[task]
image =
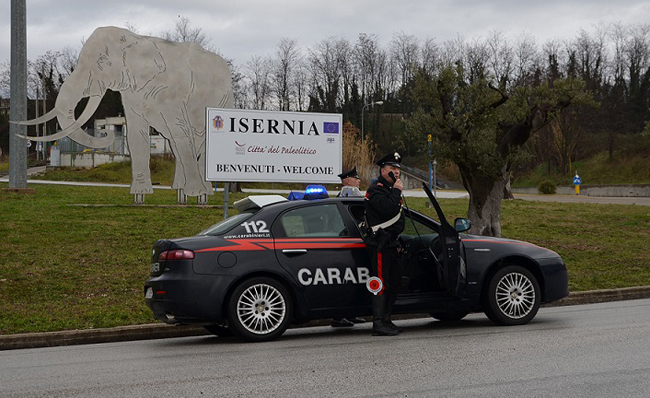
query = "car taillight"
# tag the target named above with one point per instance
(176, 255)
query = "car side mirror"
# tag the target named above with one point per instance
(462, 224)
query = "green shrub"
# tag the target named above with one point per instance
(547, 187)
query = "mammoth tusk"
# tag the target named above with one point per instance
(51, 137)
(93, 142)
(91, 107)
(80, 136)
(93, 103)
(45, 118)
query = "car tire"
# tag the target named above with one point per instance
(513, 296)
(448, 316)
(218, 330)
(259, 309)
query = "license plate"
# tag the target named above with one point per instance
(149, 293)
(155, 268)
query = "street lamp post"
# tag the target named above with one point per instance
(363, 111)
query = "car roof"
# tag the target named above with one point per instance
(281, 205)
(257, 202)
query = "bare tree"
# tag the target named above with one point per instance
(301, 87)
(590, 58)
(329, 67)
(453, 52)
(566, 131)
(552, 52)
(501, 57)
(258, 71)
(637, 51)
(239, 86)
(183, 32)
(430, 55)
(285, 66)
(404, 51)
(527, 61)
(477, 56)
(370, 63)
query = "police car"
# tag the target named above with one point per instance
(280, 262)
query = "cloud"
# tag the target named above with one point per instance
(245, 28)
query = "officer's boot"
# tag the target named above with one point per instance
(378, 314)
(388, 310)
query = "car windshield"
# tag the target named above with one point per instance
(224, 226)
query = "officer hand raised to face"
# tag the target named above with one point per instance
(386, 220)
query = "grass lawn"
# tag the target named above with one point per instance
(65, 266)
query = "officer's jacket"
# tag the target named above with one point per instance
(383, 202)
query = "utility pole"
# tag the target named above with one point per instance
(18, 99)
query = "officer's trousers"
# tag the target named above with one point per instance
(385, 265)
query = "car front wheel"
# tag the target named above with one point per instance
(513, 296)
(259, 309)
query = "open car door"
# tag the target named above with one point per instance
(450, 241)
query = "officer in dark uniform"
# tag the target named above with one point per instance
(350, 182)
(386, 221)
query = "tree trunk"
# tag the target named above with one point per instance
(235, 187)
(485, 203)
(507, 190)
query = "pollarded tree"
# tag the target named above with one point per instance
(481, 128)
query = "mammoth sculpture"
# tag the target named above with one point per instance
(163, 84)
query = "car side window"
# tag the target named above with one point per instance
(314, 221)
(413, 226)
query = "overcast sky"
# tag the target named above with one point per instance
(244, 28)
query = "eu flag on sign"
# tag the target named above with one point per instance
(331, 127)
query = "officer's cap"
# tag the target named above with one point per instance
(352, 173)
(393, 159)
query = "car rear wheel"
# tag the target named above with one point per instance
(513, 296)
(449, 316)
(260, 309)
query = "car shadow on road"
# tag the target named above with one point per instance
(413, 328)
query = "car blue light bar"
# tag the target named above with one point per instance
(316, 192)
(311, 193)
(296, 195)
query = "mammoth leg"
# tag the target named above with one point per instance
(140, 149)
(179, 178)
(187, 174)
(201, 151)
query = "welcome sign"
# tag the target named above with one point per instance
(254, 146)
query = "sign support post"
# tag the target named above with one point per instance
(576, 182)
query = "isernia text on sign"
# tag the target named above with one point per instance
(252, 146)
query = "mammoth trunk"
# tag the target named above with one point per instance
(485, 193)
(66, 103)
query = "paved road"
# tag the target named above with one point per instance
(596, 350)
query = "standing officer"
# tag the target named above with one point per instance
(385, 218)
(350, 182)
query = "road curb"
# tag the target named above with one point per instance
(163, 331)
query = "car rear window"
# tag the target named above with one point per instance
(226, 225)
